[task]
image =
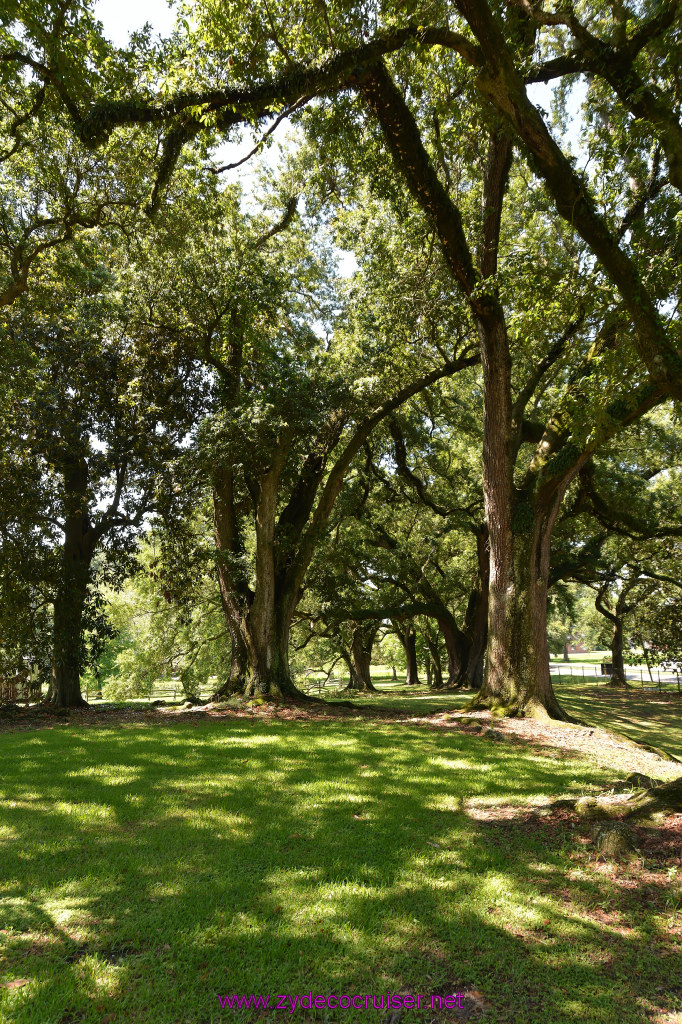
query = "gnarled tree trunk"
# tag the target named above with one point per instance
(475, 632)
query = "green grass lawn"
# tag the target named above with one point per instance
(593, 657)
(146, 871)
(646, 716)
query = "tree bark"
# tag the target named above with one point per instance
(238, 670)
(234, 591)
(436, 671)
(69, 604)
(618, 677)
(476, 620)
(517, 679)
(434, 668)
(478, 637)
(258, 620)
(408, 639)
(520, 521)
(361, 654)
(470, 674)
(267, 643)
(352, 683)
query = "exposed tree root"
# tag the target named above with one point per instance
(273, 688)
(359, 690)
(519, 709)
(665, 798)
(230, 688)
(619, 683)
(54, 702)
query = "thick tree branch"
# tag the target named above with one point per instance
(502, 84)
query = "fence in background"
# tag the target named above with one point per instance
(655, 678)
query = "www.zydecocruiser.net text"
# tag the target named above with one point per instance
(386, 1001)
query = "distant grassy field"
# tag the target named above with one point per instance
(147, 870)
(593, 657)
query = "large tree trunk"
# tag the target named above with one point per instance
(434, 668)
(352, 680)
(517, 679)
(65, 689)
(238, 670)
(258, 620)
(476, 625)
(267, 644)
(234, 591)
(476, 620)
(361, 653)
(453, 651)
(69, 604)
(408, 638)
(618, 671)
(412, 673)
(520, 522)
(470, 674)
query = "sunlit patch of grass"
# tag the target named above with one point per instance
(144, 872)
(642, 715)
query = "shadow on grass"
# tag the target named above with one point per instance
(145, 871)
(646, 716)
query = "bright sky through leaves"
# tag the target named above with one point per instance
(121, 17)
